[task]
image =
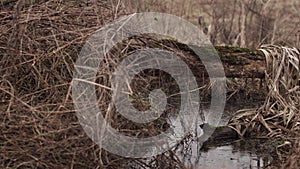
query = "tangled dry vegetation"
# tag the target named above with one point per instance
(39, 43)
(279, 116)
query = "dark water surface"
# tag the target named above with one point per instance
(229, 152)
(239, 154)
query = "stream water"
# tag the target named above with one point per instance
(239, 154)
(227, 153)
(223, 149)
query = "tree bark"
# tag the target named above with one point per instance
(237, 62)
(242, 62)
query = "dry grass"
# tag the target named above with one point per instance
(39, 43)
(279, 116)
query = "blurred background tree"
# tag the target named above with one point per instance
(247, 23)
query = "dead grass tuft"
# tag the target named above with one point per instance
(279, 116)
(39, 43)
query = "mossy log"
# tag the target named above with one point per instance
(237, 62)
(242, 62)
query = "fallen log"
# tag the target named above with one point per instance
(237, 62)
(242, 62)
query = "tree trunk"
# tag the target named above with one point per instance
(237, 62)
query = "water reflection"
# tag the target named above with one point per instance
(231, 154)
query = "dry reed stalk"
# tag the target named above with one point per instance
(279, 116)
